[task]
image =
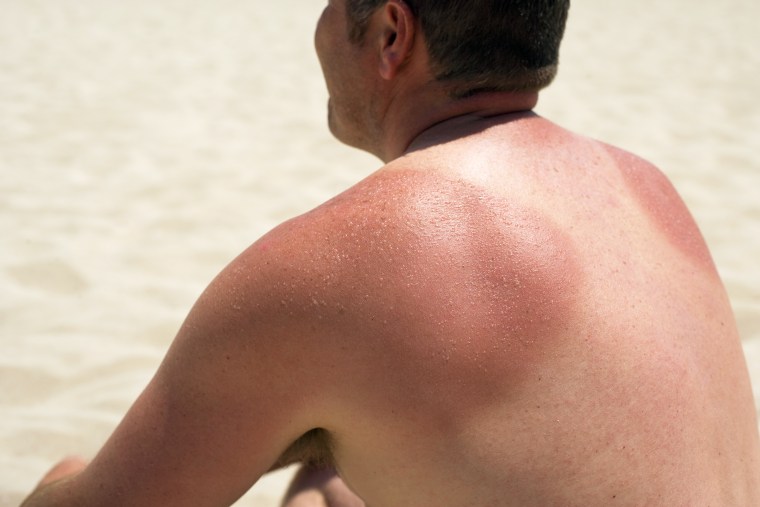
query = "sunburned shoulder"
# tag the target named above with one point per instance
(320, 257)
(403, 216)
(403, 230)
(360, 221)
(403, 268)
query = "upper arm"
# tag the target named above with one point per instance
(230, 396)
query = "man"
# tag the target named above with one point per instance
(506, 314)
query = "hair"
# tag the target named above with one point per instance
(483, 45)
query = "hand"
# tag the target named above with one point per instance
(67, 467)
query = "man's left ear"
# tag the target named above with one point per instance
(397, 37)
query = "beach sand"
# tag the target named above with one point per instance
(144, 144)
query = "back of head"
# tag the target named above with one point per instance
(483, 45)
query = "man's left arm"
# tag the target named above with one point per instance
(226, 402)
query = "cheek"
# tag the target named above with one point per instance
(323, 35)
(325, 49)
(319, 35)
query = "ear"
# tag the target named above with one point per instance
(396, 37)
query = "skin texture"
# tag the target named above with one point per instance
(505, 314)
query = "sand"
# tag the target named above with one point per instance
(143, 144)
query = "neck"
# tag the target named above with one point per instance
(423, 119)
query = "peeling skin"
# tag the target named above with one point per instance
(500, 307)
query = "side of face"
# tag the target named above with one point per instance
(347, 72)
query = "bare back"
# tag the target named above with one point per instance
(530, 327)
(510, 316)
